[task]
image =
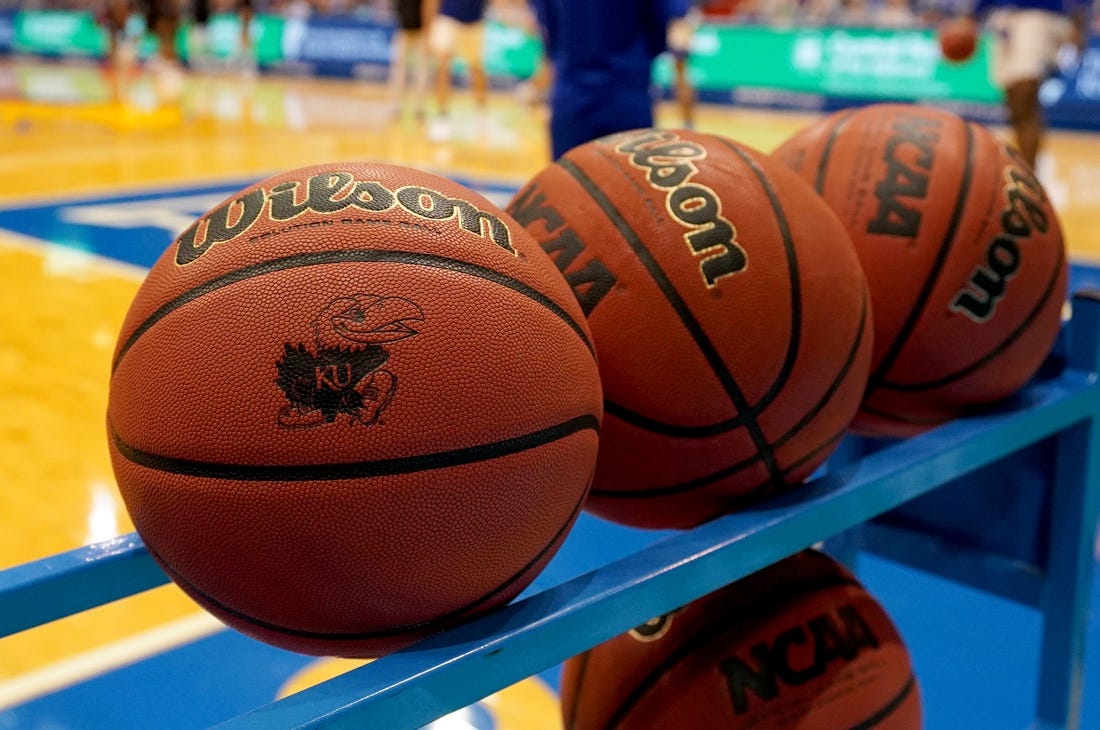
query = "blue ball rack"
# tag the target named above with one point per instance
(867, 498)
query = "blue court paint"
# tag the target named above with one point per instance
(136, 228)
(194, 686)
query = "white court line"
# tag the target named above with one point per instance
(82, 667)
(42, 247)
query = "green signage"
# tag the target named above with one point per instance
(59, 32)
(850, 62)
(903, 65)
(223, 38)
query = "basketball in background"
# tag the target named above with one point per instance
(353, 405)
(958, 38)
(729, 312)
(962, 250)
(800, 644)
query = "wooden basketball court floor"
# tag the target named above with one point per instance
(99, 172)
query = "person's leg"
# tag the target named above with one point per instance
(685, 93)
(475, 47)
(244, 15)
(679, 37)
(441, 41)
(420, 66)
(162, 19)
(399, 62)
(1026, 116)
(1026, 44)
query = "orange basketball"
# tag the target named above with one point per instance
(351, 406)
(963, 253)
(729, 312)
(958, 38)
(799, 644)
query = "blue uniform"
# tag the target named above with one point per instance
(464, 11)
(602, 52)
(679, 8)
(1062, 7)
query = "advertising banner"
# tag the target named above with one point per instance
(854, 63)
(335, 45)
(58, 33)
(223, 37)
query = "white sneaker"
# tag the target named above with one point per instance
(439, 129)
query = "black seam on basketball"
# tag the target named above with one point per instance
(356, 470)
(737, 616)
(441, 621)
(888, 709)
(667, 429)
(582, 670)
(710, 354)
(767, 489)
(917, 310)
(703, 481)
(726, 471)
(794, 341)
(826, 445)
(1048, 292)
(320, 258)
(827, 150)
(838, 381)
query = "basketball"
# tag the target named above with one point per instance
(963, 254)
(958, 38)
(353, 405)
(729, 312)
(800, 644)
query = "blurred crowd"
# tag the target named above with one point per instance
(853, 13)
(885, 13)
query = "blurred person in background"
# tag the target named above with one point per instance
(1027, 36)
(685, 17)
(894, 14)
(602, 53)
(112, 16)
(409, 53)
(457, 31)
(162, 19)
(201, 55)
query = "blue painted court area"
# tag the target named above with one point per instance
(131, 228)
(975, 655)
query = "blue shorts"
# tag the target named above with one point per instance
(577, 117)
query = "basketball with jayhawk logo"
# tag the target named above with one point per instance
(351, 406)
(342, 373)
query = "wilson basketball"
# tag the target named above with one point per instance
(729, 312)
(958, 38)
(351, 406)
(962, 250)
(800, 644)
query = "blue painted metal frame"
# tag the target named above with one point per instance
(451, 670)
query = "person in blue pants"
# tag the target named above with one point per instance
(601, 53)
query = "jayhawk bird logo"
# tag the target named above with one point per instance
(342, 373)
